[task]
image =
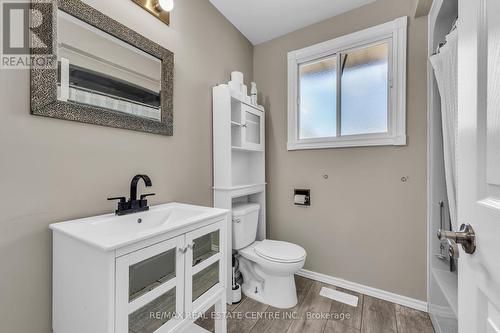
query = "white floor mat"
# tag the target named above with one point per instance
(339, 296)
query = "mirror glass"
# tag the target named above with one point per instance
(98, 69)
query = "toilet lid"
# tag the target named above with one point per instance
(280, 251)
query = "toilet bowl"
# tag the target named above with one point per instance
(269, 278)
(267, 266)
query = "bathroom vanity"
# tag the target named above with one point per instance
(154, 271)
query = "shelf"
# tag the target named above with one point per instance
(204, 256)
(247, 149)
(239, 98)
(239, 187)
(448, 284)
(152, 286)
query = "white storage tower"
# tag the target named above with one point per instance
(238, 157)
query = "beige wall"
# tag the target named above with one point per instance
(365, 225)
(53, 170)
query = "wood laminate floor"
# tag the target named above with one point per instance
(317, 314)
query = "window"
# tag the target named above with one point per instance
(350, 91)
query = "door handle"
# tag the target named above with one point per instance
(452, 249)
(465, 237)
(184, 249)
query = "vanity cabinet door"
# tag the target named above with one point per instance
(253, 128)
(150, 287)
(205, 266)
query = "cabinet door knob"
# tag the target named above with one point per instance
(183, 249)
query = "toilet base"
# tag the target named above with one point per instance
(252, 291)
(277, 291)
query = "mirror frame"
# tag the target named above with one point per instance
(44, 100)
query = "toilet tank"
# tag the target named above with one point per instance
(245, 222)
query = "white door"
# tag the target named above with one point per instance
(149, 288)
(204, 266)
(253, 128)
(478, 158)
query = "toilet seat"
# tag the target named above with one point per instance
(279, 251)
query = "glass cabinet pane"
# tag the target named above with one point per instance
(151, 273)
(205, 279)
(205, 247)
(153, 315)
(252, 128)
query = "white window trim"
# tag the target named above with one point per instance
(397, 32)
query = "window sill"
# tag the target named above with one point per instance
(347, 142)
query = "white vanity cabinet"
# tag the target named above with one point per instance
(157, 284)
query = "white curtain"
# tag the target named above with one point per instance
(445, 64)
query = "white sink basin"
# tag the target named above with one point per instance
(109, 232)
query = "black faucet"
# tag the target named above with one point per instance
(133, 205)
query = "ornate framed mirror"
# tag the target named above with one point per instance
(101, 72)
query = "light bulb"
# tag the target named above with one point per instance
(166, 5)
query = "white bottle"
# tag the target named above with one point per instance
(253, 93)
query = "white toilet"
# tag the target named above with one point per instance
(267, 266)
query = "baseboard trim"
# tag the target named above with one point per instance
(370, 291)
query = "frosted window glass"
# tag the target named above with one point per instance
(364, 92)
(318, 100)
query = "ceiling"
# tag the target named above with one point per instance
(263, 20)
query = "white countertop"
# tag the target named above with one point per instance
(109, 232)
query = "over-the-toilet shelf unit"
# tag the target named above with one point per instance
(238, 157)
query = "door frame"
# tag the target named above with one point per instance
(436, 185)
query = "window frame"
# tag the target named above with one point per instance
(394, 32)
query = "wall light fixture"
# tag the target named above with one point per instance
(158, 8)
